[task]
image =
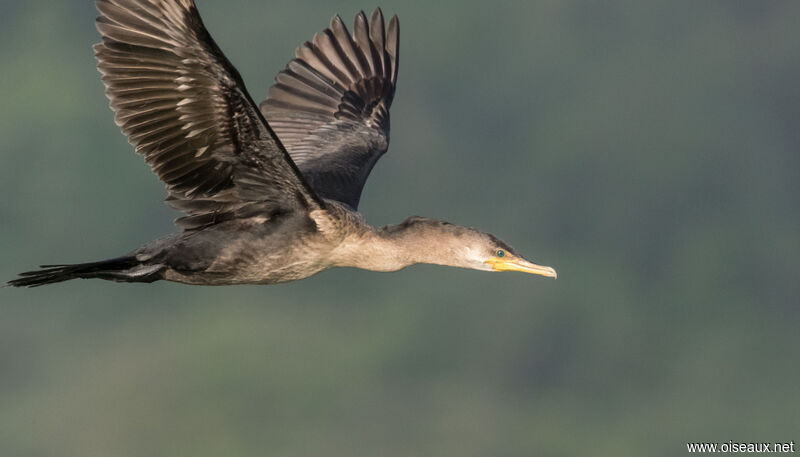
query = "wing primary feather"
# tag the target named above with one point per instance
(378, 36)
(330, 105)
(326, 50)
(393, 46)
(347, 49)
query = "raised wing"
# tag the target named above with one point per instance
(184, 106)
(330, 105)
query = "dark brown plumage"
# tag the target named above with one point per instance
(330, 106)
(270, 194)
(185, 108)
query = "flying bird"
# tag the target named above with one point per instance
(269, 192)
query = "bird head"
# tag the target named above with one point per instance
(502, 258)
(442, 243)
(486, 252)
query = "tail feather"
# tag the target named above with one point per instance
(121, 269)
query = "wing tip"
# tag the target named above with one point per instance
(377, 14)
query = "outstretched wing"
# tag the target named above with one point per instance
(184, 106)
(330, 105)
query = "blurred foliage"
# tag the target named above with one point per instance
(647, 150)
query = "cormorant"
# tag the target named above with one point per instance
(270, 192)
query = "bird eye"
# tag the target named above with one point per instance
(500, 253)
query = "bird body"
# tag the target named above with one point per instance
(270, 192)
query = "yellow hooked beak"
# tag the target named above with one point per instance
(513, 263)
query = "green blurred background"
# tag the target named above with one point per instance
(648, 151)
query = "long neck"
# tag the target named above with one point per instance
(395, 247)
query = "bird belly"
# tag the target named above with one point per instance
(268, 272)
(250, 260)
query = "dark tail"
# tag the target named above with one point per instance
(121, 269)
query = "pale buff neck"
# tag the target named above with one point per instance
(395, 247)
